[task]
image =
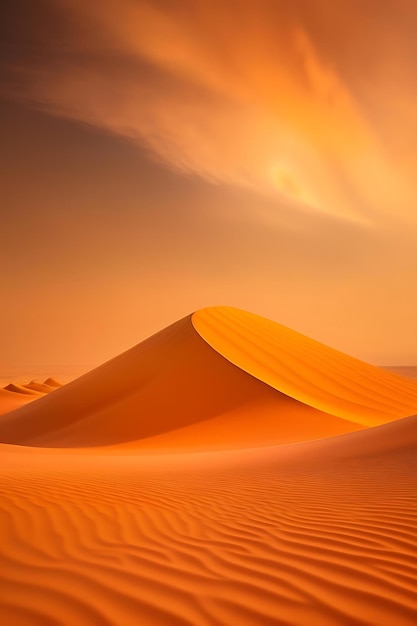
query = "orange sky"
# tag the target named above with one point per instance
(160, 156)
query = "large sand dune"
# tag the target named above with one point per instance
(319, 533)
(255, 380)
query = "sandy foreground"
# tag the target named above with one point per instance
(225, 471)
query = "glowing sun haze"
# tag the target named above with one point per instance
(162, 156)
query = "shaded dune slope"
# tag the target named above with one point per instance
(219, 378)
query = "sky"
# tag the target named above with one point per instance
(160, 156)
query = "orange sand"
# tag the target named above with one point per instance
(409, 371)
(306, 369)
(318, 533)
(13, 396)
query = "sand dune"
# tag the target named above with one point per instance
(256, 382)
(139, 532)
(169, 382)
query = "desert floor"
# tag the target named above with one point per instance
(225, 471)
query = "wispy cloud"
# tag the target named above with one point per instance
(316, 106)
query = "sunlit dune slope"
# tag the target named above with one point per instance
(168, 383)
(306, 369)
(216, 388)
(288, 535)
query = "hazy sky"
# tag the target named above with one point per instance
(160, 156)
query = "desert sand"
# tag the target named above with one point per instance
(409, 371)
(13, 396)
(227, 470)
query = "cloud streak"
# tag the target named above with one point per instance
(314, 106)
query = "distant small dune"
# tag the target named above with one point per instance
(52, 382)
(21, 389)
(40, 387)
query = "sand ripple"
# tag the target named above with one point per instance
(112, 540)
